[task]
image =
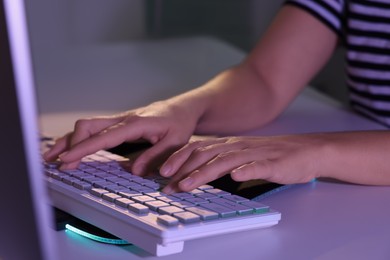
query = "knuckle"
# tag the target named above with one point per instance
(82, 123)
(232, 140)
(199, 150)
(195, 144)
(225, 156)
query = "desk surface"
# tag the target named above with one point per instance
(320, 220)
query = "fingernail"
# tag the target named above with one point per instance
(139, 168)
(64, 166)
(61, 156)
(167, 190)
(187, 182)
(165, 170)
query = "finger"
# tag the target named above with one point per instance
(69, 166)
(61, 145)
(207, 155)
(155, 155)
(85, 128)
(264, 169)
(108, 138)
(177, 159)
(222, 164)
(245, 172)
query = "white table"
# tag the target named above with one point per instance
(320, 220)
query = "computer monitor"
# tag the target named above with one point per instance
(25, 215)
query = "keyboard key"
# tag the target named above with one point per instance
(257, 206)
(98, 192)
(236, 198)
(170, 210)
(143, 181)
(155, 194)
(182, 204)
(206, 195)
(168, 220)
(142, 199)
(138, 208)
(156, 204)
(115, 188)
(111, 197)
(80, 175)
(101, 184)
(69, 180)
(187, 217)
(143, 189)
(153, 185)
(196, 201)
(223, 211)
(123, 202)
(57, 175)
(168, 198)
(82, 185)
(91, 179)
(196, 191)
(182, 195)
(239, 208)
(132, 185)
(205, 187)
(115, 179)
(102, 175)
(217, 192)
(129, 194)
(205, 214)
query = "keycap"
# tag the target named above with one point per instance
(223, 211)
(196, 200)
(168, 220)
(116, 188)
(187, 217)
(206, 195)
(257, 206)
(182, 204)
(217, 192)
(82, 185)
(205, 187)
(182, 195)
(156, 204)
(236, 198)
(138, 208)
(142, 199)
(205, 214)
(98, 192)
(129, 193)
(168, 198)
(169, 210)
(68, 180)
(123, 202)
(111, 197)
(239, 208)
(101, 184)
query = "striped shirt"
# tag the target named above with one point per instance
(364, 28)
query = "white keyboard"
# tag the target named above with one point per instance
(132, 208)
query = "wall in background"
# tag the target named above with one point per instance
(59, 23)
(240, 23)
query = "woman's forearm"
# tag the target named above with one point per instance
(357, 157)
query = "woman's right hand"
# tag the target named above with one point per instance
(165, 125)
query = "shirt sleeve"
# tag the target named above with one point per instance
(330, 12)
